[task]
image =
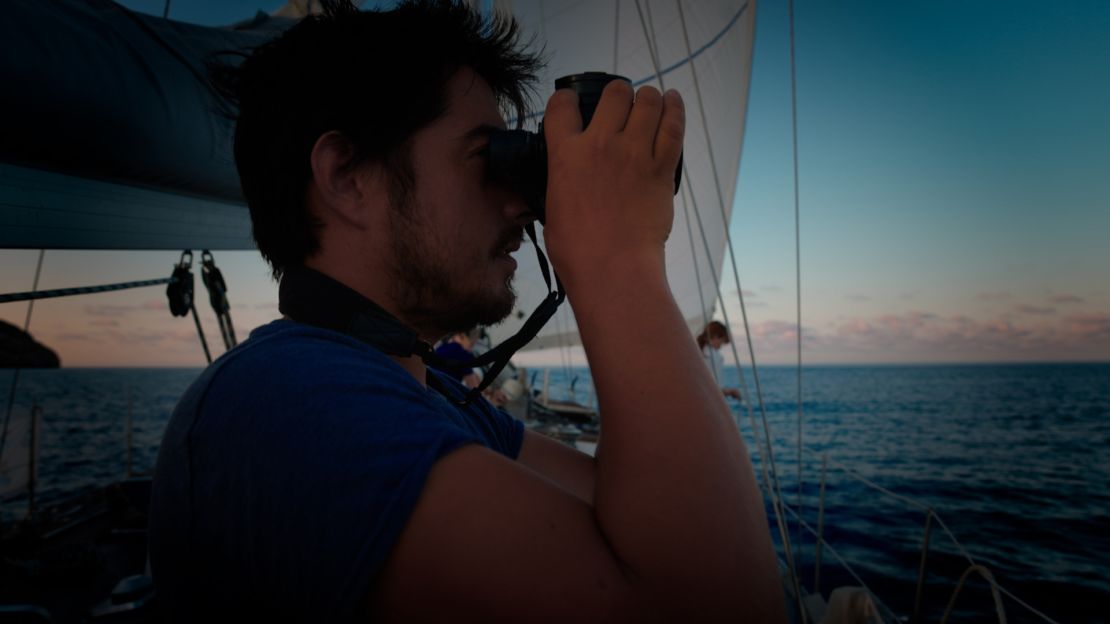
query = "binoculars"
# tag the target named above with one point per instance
(518, 158)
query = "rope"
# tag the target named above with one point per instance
(15, 375)
(982, 570)
(82, 290)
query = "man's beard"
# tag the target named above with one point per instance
(427, 296)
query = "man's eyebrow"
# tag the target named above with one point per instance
(480, 131)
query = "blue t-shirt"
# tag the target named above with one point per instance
(289, 469)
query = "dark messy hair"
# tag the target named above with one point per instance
(375, 77)
(715, 329)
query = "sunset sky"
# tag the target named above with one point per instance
(954, 169)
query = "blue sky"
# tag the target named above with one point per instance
(954, 197)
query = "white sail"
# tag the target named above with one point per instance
(703, 50)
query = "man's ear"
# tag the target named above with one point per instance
(342, 190)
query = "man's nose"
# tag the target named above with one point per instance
(517, 210)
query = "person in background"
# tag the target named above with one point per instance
(460, 348)
(710, 340)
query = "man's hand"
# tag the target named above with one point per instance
(471, 380)
(611, 187)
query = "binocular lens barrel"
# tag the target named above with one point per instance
(518, 158)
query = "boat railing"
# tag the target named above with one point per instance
(892, 616)
(931, 517)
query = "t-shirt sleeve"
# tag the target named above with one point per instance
(306, 498)
(509, 429)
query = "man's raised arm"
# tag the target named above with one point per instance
(677, 529)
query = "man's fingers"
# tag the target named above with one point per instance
(561, 118)
(672, 128)
(612, 109)
(644, 119)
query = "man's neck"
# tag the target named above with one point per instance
(337, 319)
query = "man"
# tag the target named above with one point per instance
(310, 475)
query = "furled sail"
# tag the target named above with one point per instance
(704, 50)
(110, 140)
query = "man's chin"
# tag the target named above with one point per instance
(497, 310)
(490, 309)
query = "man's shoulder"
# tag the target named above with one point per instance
(292, 355)
(288, 371)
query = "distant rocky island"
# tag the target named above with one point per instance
(19, 350)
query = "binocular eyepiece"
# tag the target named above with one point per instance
(518, 158)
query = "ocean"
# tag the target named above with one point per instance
(1013, 459)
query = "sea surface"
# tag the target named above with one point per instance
(1013, 459)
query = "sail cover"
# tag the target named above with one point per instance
(109, 135)
(701, 48)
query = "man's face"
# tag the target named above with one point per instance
(451, 239)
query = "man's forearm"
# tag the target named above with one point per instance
(675, 494)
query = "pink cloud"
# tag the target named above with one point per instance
(109, 309)
(1029, 309)
(993, 296)
(104, 322)
(924, 336)
(118, 310)
(75, 337)
(775, 329)
(1066, 299)
(1088, 326)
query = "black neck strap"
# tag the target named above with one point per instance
(310, 297)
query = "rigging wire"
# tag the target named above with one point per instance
(15, 375)
(761, 444)
(797, 254)
(775, 499)
(616, 34)
(772, 483)
(705, 310)
(653, 49)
